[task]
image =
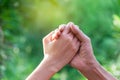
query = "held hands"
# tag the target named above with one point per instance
(60, 47)
(68, 44)
(84, 60)
(80, 60)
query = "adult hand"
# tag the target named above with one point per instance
(85, 57)
(85, 60)
(80, 60)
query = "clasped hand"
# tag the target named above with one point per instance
(68, 45)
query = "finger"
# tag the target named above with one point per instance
(78, 46)
(78, 33)
(56, 34)
(61, 27)
(75, 40)
(67, 28)
(48, 38)
(77, 43)
(71, 36)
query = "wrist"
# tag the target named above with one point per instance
(94, 71)
(86, 65)
(48, 65)
(53, 64)
(44, 71)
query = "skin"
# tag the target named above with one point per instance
(68, 44)
(57, 53)
(84, 60)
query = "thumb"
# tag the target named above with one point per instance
(78, 33)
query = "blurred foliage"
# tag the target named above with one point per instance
(23, 24)
(116, 34)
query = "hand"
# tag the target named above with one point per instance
(59, 48)
(60, 51)
(80, 60)
(85, 60)
(85, 57)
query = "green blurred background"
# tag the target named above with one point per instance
(23, 24)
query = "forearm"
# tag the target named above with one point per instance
(96, 72)
(44, 71)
